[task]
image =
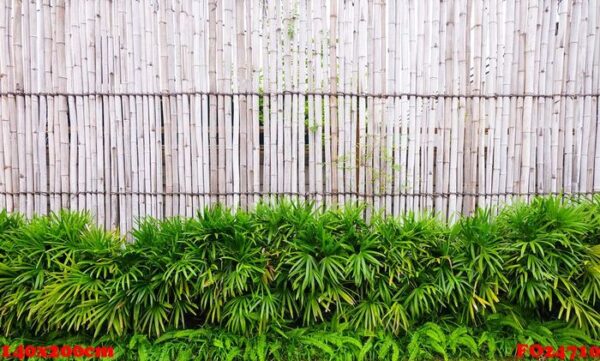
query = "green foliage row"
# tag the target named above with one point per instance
(437, 341)
(293, 268)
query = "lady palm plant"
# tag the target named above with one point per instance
(314, 264)
(545, 252)
(37, 258)
(589, 283)
(481, 253)
(327, 283)
(409, 245)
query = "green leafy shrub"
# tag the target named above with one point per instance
(294, 282)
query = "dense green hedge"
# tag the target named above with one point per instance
(324, 283)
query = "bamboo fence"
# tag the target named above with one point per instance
(146, 107)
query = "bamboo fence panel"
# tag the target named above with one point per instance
(160, 108)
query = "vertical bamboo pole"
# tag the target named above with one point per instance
(442, 133)
(274, 99)
(285, 143)
(29, 110)
(4, 63)
(7, 103)
(152, 45)
(596, 105)
(345, 103)
(571, 87)
(118, 147)
(69, 133)
(497, 46)
(319, 119)
(338, 70)
(404, 87)
(212, 118)
(279, 110)
(488, 108)
(589, 149)
(528, 163)
(90, 81)
(311, 66)
(253, 19)
(353, 74)
(548, 61)
(331, 103)
(420, 120)
(110, 172)
(176, 108)
(412, 161)
(363, 86)
(183, 108)
(242, 111)
(26, 140)
(82, 109)
(303, 72)
(100, 64)
(542, 125)
(324, 162)
(130, 115)
(476, 156)
(390, 110)
(221, 114)
(16, 108)
(559, 101)
(197, 58)
(433, 104)
(424, 103)
(230, 124)
(518, 86)
(268, 86)
(204, 35)
(507, 25)
(378, 88)
(369, 151)
(453, 187)
(353, 143)
(43, 81)
(581, 145)
(293, 34)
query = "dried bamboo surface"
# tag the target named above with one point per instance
(159, 108)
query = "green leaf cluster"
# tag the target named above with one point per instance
(413, 286)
